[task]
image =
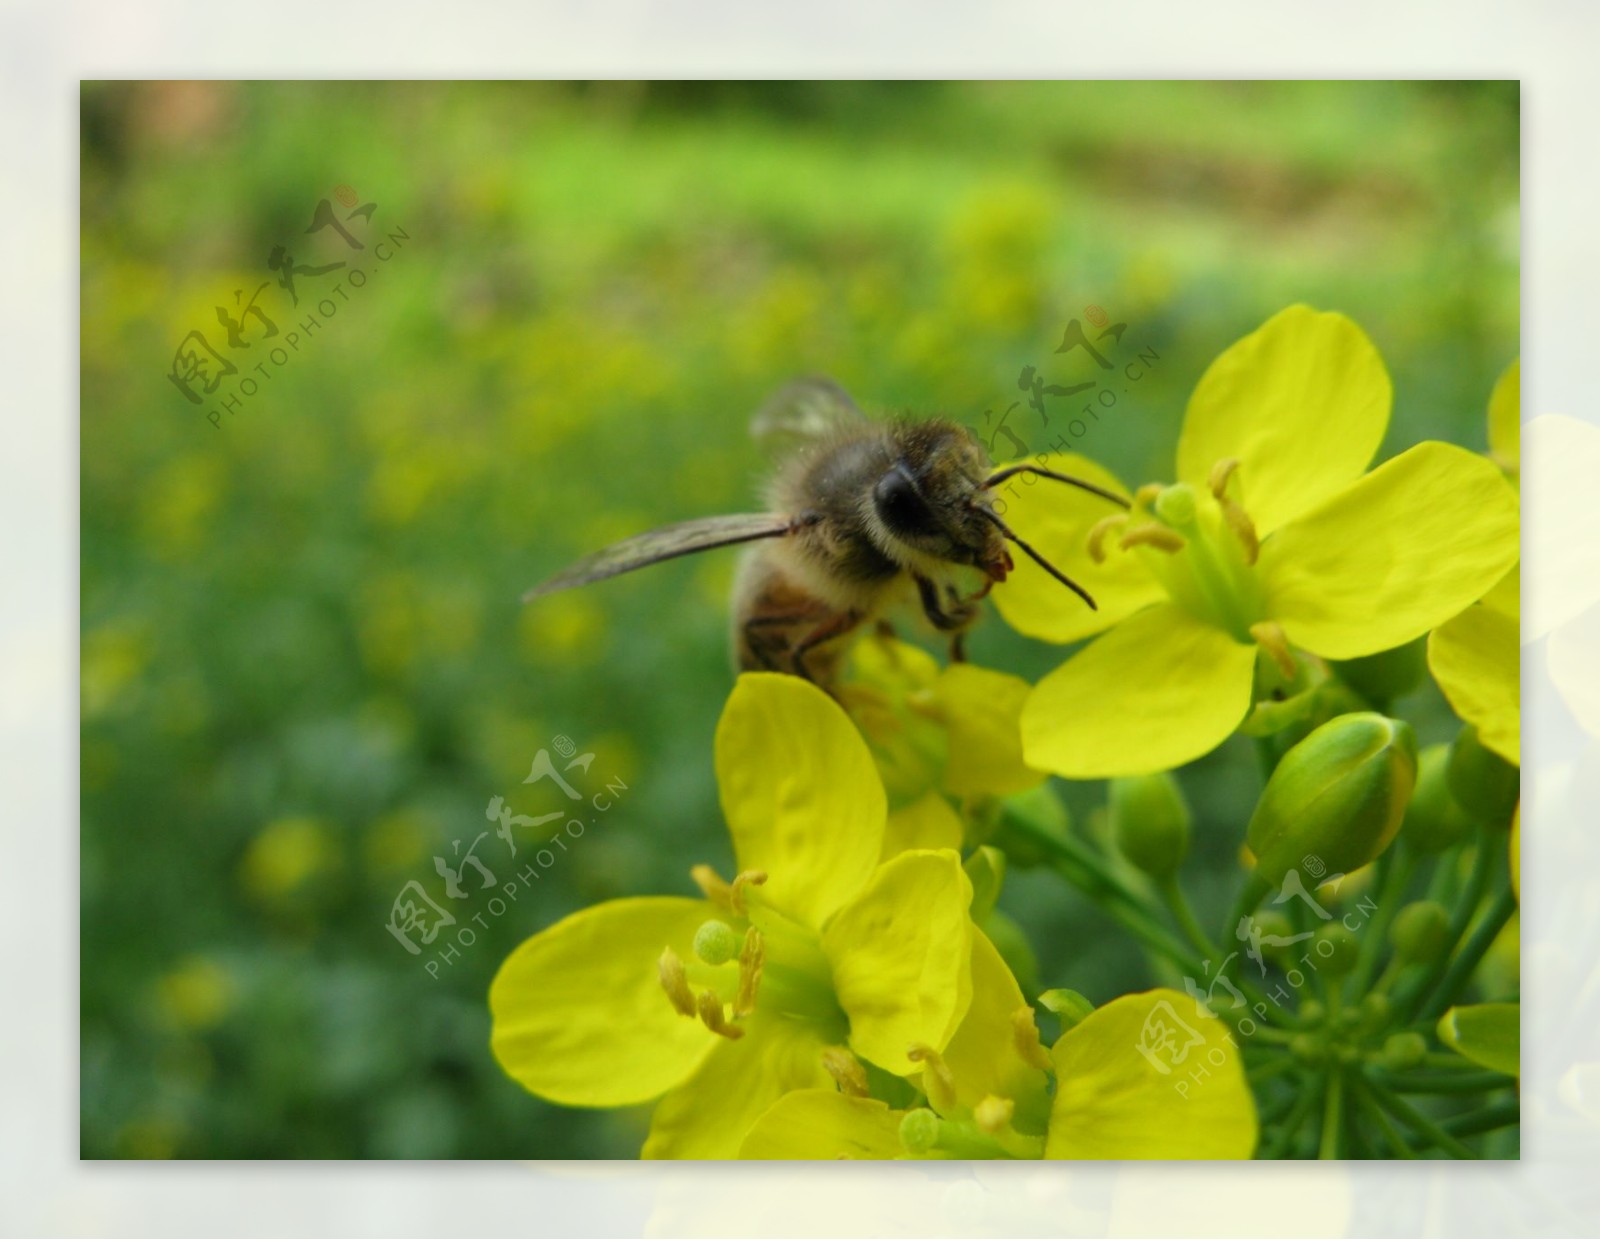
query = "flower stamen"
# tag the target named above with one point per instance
(1270, 637)
(676, 982)
(1025, 1036)
(712, 885)
(746, 878)
(993, 1115)
(712, 1017)
(1153, 535)
(1098, 533)
(938, 1082)
(846, 1070)
(1221, 474)
(1240, 523)
(751, 959)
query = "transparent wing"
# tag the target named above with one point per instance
(803, 412)
(667, 543)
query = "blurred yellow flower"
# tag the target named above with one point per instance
(1274, 538)
(195, 995)
(1476, 658)
(285, 855)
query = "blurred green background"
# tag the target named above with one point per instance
(305, 671)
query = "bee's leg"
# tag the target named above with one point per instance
(885, 628)
(945, 621)
(763, 644)
(958, 646)
(834, 626)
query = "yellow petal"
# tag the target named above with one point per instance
(1476, 658)
(1155, 692)
(886, 693)
(800, 793)
(983, 711)
(709, 1115)
(984, 1056)
(1150, 1076)
(579, 1014)
(1055, 519)
(927, 823)
(1505, 419)
(902, 957)
(1301, 403)
(823, 1123)
(1563, 577)
(1573, 658)
(1410, 545)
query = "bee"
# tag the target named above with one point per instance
(862, 517)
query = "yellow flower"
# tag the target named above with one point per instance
(1274, 539)
(936, 733)
(1476, 658)
(989, 1095)
(814, 959)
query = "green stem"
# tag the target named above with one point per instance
(1272, 1068)
(1408, 1114)
(1331, 1146)
(1172, 893)
(1397, 877)
(1470, 955)
(1501, 1115)
(1369, 1103)
(1453, 1083)
(1477, 882)
(1309, 1093)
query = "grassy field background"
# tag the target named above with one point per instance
(305, 671)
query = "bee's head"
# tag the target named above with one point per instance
(928, 499)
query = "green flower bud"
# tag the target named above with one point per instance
(1335, 801)
(1403, 1050)
(1069, 1005)
(1306, 1048)
(1375, 1012)
(1420, 932)
(1276, 932)
(1334, 948)
(1484, 784)
(919, 1130)
(1150, 822)
(1433, 821)
(1389, 674)
(1312, 1012)
(716, 942)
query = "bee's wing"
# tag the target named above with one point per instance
(666, 543)
(803, 412)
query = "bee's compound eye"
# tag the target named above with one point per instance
(901, 506)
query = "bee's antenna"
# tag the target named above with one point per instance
(1038, 559)
(995, 479)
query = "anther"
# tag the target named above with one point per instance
(1153, 535)
(1241, 524)
(1025, 1037)
(1270, 637)
(711, 1016)
(712, 885)
(750, 961)
(937, 1080)
(1221, 474)
(993, 1114)
(746, 878)
(845, 1069)
(675, 982)
(1099, 531)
